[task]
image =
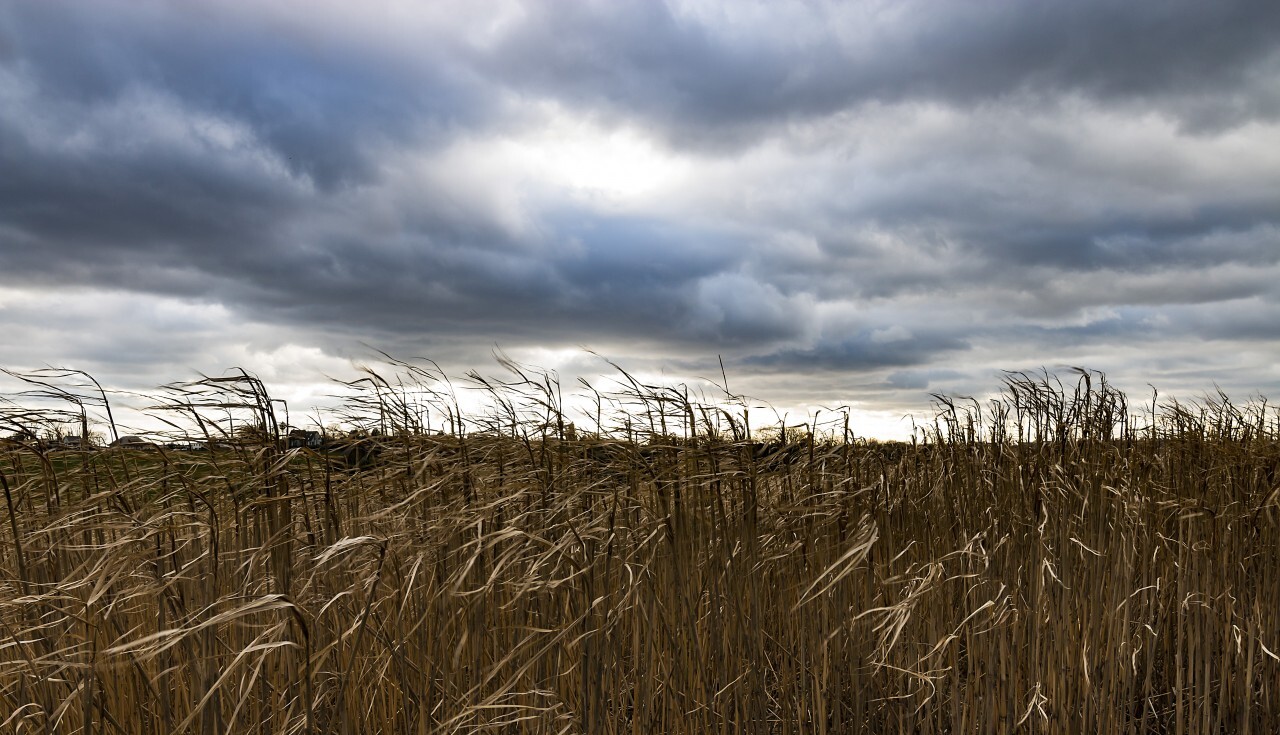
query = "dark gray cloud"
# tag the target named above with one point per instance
(699, 81)
(881, 198)
(322, 110)
(870, 350)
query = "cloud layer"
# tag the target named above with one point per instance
(850, 202)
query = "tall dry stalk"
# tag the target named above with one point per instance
(1045, 562)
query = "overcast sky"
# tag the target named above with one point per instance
(851, 203)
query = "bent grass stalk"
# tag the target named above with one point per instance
(1041, 563)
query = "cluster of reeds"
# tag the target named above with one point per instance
(1049, 561)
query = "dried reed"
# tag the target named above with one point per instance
(1045, 562)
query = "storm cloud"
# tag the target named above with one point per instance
(849, 203)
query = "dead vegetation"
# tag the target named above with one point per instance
(1045, 562)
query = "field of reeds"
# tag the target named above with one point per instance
(1054, 560)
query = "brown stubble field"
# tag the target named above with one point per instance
(1053, 561)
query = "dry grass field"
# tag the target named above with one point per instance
(1054, 561)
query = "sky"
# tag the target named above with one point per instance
(855, 204)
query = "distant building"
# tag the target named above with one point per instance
(300, 438)
(71, 441)
(133, 442)
(188, 445)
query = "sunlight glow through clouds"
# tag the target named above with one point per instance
(618, 166)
